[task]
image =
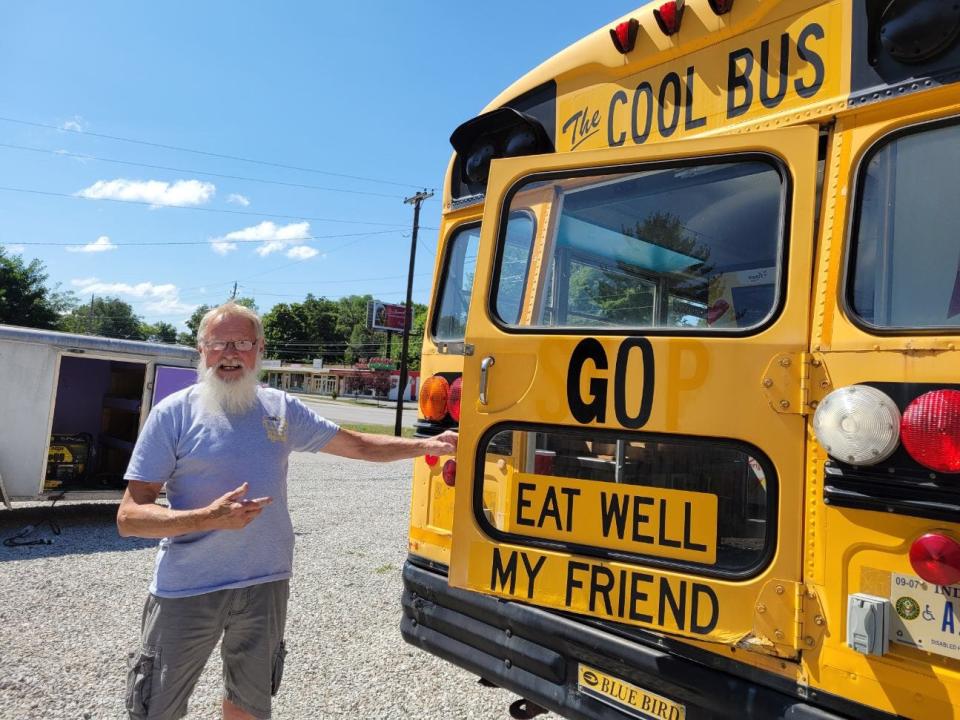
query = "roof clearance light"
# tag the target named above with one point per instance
(931, 430)
(858, 425)
(453, 403)
(721, 7)
(433, 398)
(449, 473)
(668, 16)
(624, 36)
(936, 559)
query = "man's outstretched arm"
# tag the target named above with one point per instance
(384, 448)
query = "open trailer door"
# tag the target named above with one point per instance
(620, 454)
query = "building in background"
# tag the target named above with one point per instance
(372, 378)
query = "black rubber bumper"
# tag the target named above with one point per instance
(535, 654)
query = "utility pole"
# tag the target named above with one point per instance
(233, 295)
(90, 316)
(416, 201)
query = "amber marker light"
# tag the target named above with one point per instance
(433, 398)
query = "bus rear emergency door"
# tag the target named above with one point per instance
(620, 455)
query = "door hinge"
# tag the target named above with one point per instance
(788, 618)
(795, 383)
(454, 348)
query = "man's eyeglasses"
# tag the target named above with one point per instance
(221, 345)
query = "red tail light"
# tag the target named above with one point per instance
(930, 430)
(936, 559)
(431, 460)
(450, 472)
(453, 403)
(624, 36)
(721, 7)
(434, 394)
(669, 15)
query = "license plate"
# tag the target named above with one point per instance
(925, 616)
(627, 697)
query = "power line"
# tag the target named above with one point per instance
(64, 153)
(208, 242)
(199, 209)
(206, 153)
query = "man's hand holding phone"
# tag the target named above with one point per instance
(232, 511)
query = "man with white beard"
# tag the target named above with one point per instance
(221, 449)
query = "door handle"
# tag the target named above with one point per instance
(485, 366)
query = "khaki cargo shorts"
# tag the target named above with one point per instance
(180, 633)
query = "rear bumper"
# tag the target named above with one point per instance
(535, 653)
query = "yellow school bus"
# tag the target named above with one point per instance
(696, 314)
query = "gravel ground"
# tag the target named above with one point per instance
(70, 611)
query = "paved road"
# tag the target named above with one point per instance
(347, 412)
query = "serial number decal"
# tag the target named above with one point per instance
(596, 588)
(676, 524)
(780, 67)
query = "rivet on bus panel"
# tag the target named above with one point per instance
(761, 608)
(767, 382)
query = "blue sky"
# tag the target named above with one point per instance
(364, 95)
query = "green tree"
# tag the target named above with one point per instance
(286, 333)
(25, 298)
(160, 332)
(351, 328)
(105, 316)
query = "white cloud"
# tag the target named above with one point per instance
(302, 252)
(238, 199)
(76, 123)
(158, 299)
(101, 244)
(222, 248)
(16, 249)
(155, 192)
(275, 238)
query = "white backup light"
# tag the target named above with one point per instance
(858, 425)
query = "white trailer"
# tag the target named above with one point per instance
(71, 408)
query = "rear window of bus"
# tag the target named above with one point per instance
(686, 248)
(459, 268)
(904, 272)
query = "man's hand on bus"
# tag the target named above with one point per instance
(443, 444)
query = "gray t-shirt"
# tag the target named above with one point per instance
(201, 456)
